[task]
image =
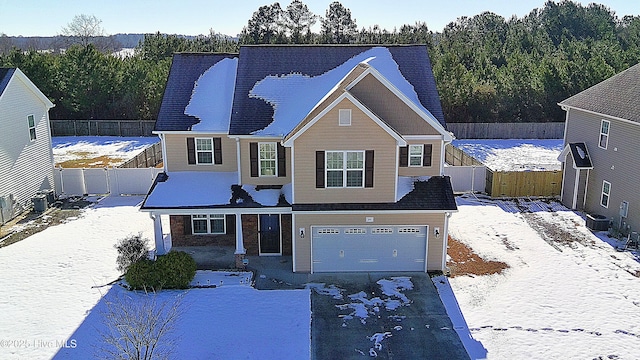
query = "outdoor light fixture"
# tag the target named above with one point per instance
(436, 231)
(302, 233)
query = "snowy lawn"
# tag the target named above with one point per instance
(514, 155)
(567, 294)
(97, 151)
(48, 303)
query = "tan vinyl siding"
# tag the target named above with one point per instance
(326, 135)
(25, 166)
(245, 160)
(303, 245)
(176, 154)
(618, 164)
(434, 169)
(390, 108)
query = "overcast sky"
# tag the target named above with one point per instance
(194, 17)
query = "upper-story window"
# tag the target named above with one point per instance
(268, 159)
(32, 127)
(604, 134)
(415, 155)
(345, 168)
(606, 193)
(344, 117)
(204, 151)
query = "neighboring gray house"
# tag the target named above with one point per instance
(26, 158)
(602, 156)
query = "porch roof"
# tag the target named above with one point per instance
(202, 190)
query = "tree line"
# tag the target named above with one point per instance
(487, 68)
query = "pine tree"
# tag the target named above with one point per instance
(337, 26)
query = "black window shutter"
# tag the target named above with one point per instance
(404, 156)
(368, 168)
(186, 224)
(319, 169)
(231, 224)
(191, 150)
(253, 158)
(282, 161)
(217, 151)
(426, 156)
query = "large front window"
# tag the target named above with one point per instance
(204, 151)
(208, 224)
(345, 168)
(268, 159)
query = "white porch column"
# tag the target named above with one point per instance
(240, 250)
(157, 232)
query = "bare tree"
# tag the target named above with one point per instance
(139, 327)
(83, 29)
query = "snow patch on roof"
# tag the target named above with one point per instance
(293, 96)
(191, 188)
(212, 97)
(406, 185)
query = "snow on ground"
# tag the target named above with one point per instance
(67, 148)
(514, 155)
(572, 300)
(49, 307)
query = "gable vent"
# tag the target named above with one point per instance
(344, 117)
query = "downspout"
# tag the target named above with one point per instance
(164, 152)
(445, 241)
(238, 161)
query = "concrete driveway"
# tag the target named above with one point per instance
(415, 327)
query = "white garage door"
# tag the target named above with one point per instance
(368, 248)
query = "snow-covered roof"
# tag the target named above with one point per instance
(195, 189)
(212, 97)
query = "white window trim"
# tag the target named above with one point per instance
(275, 159)
(35, 136)
(344, 169)
(205, 151)
(421, 146)
(344, 117)
(606, 144)
(608, 194)
(208, 219)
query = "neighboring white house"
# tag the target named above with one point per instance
(26, 158)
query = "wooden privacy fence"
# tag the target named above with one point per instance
(549, 130)
(457, 157)
(102, 127)
(150, 157)
(523, 183)
(100, 181)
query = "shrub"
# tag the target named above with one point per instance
(172, 271)
(130, 250)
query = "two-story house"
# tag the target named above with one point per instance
(331, 154)
(601, 159)
(26, 157)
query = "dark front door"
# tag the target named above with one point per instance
(269, 234)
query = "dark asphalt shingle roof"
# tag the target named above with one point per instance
(257, 62)
(617, 96)
(186, 69)
(5, 76)
(580, 155)
(433, 194)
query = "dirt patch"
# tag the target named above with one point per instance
(463, 261)
(91, 162)
(30, 222)
(555, 235)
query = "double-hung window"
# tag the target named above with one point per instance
(415, 155)
(606, 194)
(604, 134)
(208, 224)
(204, 151)
(32, 127)
(344, 168)
(268, 159)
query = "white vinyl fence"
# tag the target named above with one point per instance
(115, 181)
(467, 178)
